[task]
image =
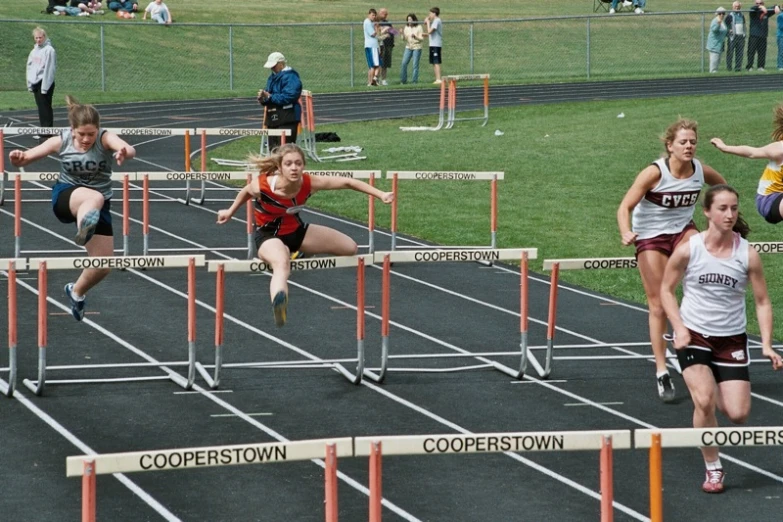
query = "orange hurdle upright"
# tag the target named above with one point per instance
(656, 480)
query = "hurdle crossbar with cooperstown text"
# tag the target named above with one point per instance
(258, 266)
(112, 263)
(460, 255)
(492, 177)
(656, 439)
(89, 466)
(472, 443)
(614, 263)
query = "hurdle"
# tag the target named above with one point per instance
(472, 443)
(492, 177)
(448, 103)
(656, 439)
(8, 390)
(230, 132)
(89, 466)
(623, 263)
(525, 354)
(306, 137)
(257, 266)
(43, 265)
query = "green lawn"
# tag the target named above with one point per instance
(135, 60)
(567, 166)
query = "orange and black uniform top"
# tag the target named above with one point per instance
(276, 214)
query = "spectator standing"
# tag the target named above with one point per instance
(779, 18)
(371, 48)
(735, 48)
(412, 34)
(158, 11)
(716, 37)
(386, 34)
(280, 97)
(41, 66)
(759, 29)
(435, 34)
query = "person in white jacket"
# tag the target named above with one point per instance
(41, 65)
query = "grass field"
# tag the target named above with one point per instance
(567, 168)
(134, 60)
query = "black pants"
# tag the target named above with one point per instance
(735, 52)
(757, 45)
(44, 103)
(274, 141)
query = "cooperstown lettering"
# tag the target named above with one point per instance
(297, 264)
(119, 262)
(742, 438)
(591, 264)
(332, 173)
(198, 176)
(458, 255)
(446, 175)
(490, 443)
(215, 457)
(145, 132)
(768, 248)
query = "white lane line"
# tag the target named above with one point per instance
(261, 414)
(601, 403)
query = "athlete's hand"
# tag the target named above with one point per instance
(682, 338)
(120, 155)
(628, 238)
(718, 143)
(772, 355)
(17, 158)
(223, 216)
(387, 197)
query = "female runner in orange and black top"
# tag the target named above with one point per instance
(280, 192)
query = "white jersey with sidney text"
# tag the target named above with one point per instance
(713, 289)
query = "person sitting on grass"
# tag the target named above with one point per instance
(279, 194)
(159, 12)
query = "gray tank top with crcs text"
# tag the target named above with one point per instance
(86, 169)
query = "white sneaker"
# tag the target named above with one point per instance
(760, 69)
(384, 82)
(627, 3)
(83, 13)
(638, 10)
(611, 11)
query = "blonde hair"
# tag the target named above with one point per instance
(671, 132)
(270, 164)
(39, 30)
(80, 114)
(777, 133)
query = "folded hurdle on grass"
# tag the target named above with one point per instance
(447, 114)
(462, 255)
(492, 177)
(89, 466)
(257, 266)
(77, 263)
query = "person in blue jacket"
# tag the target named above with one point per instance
(281, 99)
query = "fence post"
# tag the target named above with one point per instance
(472, 48)
(588, 48)
(231, 57)
(703, 41)
(351, 50)
(103, 61)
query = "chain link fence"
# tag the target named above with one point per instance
(103, 55)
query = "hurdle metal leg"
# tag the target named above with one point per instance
(8, 389)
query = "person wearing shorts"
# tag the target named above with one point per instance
(662, 200)
(372, 49)
(709, 325)
(83, 190)
(769, 195)
(279, 194)
(435, 34)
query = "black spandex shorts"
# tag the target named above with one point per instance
(61, 205)
(293, 240)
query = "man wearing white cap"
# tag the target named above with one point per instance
(281, 99)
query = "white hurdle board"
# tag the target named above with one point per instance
(208, 456)
(116, 262)
(492, 442)
(698, 437)
(456, 255)
(445, 175)
(310, 263)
